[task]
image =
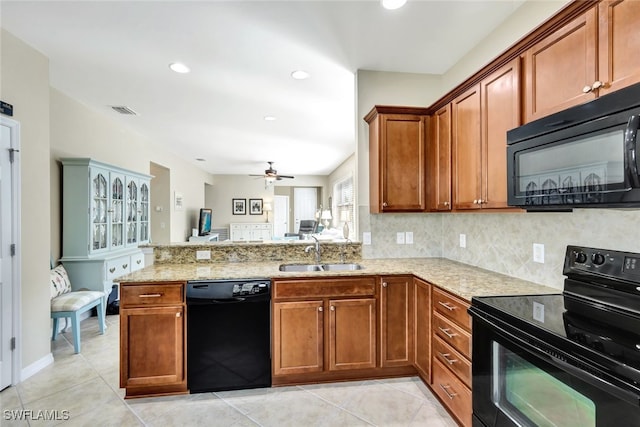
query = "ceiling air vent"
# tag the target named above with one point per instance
(124, 110)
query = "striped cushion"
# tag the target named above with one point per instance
(59, 280)
(72, 301)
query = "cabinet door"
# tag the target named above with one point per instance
(467, 154)
(117, 211)
(298, 337)
(132, 208)
(145, 203)
(99, 227)
(422, 328)
(560, 69)
(619, 44)
(402, 171)
(500, 112)
(152, 346)
(352, 339)
(396, 315)
(439, 151)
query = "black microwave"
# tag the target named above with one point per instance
(583, 157)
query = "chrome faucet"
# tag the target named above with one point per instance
(316, 248)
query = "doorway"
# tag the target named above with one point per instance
(9, 253)
(305, 204)
(280, 215)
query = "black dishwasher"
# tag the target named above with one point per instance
(228, 334)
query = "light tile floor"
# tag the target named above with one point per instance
(84, 388)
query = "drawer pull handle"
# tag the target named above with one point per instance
(447, 305)
(150, 295)
(125, 266)
(446, 332)
(138, 261)
(112, 269)
(445, 357)
(446, 388)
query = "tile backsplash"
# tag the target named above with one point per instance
(503, 242)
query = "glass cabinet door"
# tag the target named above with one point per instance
(144, 212)
(132, 208)
(117, 211)
(99, 203)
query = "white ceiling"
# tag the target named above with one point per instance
(241, 54)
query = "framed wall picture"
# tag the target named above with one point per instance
(239, 206)
(255, 206)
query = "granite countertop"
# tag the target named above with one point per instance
(460, 279)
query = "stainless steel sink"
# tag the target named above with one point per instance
(319, 267)
(341, 267)
(300, 267)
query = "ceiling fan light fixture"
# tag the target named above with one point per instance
(269, 118)
(179, 67)
(393, 4)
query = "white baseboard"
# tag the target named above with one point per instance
(36, 367)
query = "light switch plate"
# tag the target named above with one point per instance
(538, 253)
(203, 254)
(400, 238)
(408, 237)
(463, 240)
(366, 238)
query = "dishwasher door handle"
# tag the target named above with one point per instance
(227, 300)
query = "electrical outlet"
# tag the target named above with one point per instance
(538, 253)
(400, 238)
(203, 254)
(366, 238)
(408, 237)
(538, 312)
(463, 240)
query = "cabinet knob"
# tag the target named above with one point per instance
(384, 284)
(319, 308)
(475, 202)
(384, 204)
(333, 308)
(446, 203)
(597, 85)
(178, 314)
(587, 89)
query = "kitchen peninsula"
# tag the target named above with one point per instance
(391, 317)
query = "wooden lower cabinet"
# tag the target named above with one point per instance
(152, 339)
(396, 321)
(352, 334)
(422, 328)
(452, 393)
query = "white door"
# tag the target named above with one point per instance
(305, 204)
(280, 215)
(8, 236)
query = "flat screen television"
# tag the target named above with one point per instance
(204, 223)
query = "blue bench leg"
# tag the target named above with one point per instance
(55, 329)
(101, 310)
(75, 325)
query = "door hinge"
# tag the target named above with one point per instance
(13, 249)
(13, 343)
(12, 154)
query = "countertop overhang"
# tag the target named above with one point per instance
(463, 280)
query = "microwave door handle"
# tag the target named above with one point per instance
(631, 147)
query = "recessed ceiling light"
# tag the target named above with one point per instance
(179, 67)
(269, 118)
(300, 75)
(393, 4)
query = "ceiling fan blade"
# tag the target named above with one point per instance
(285, 176)
(261, 176)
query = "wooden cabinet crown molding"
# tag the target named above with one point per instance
(394, 109)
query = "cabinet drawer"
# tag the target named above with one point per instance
(117, 267)
(453, 360)
(145, 295)
(339, 287)
(452, 334)
(455, 395)
(452, 308)
(137, 262)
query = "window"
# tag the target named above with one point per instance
(343, 209)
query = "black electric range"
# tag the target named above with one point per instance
(584, 342)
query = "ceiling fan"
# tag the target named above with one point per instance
(271, 174)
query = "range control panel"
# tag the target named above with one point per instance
(615, 264)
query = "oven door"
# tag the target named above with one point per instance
(517, 384)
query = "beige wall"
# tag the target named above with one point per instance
(24, 82)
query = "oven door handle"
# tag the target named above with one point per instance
(600, 383)
(631, 149)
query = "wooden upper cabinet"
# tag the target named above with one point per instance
(397, 144)
(500, 112)
(619, 44)
(561, 68)
(466, 149)
(439, 164)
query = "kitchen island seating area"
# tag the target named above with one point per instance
(69, 304)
